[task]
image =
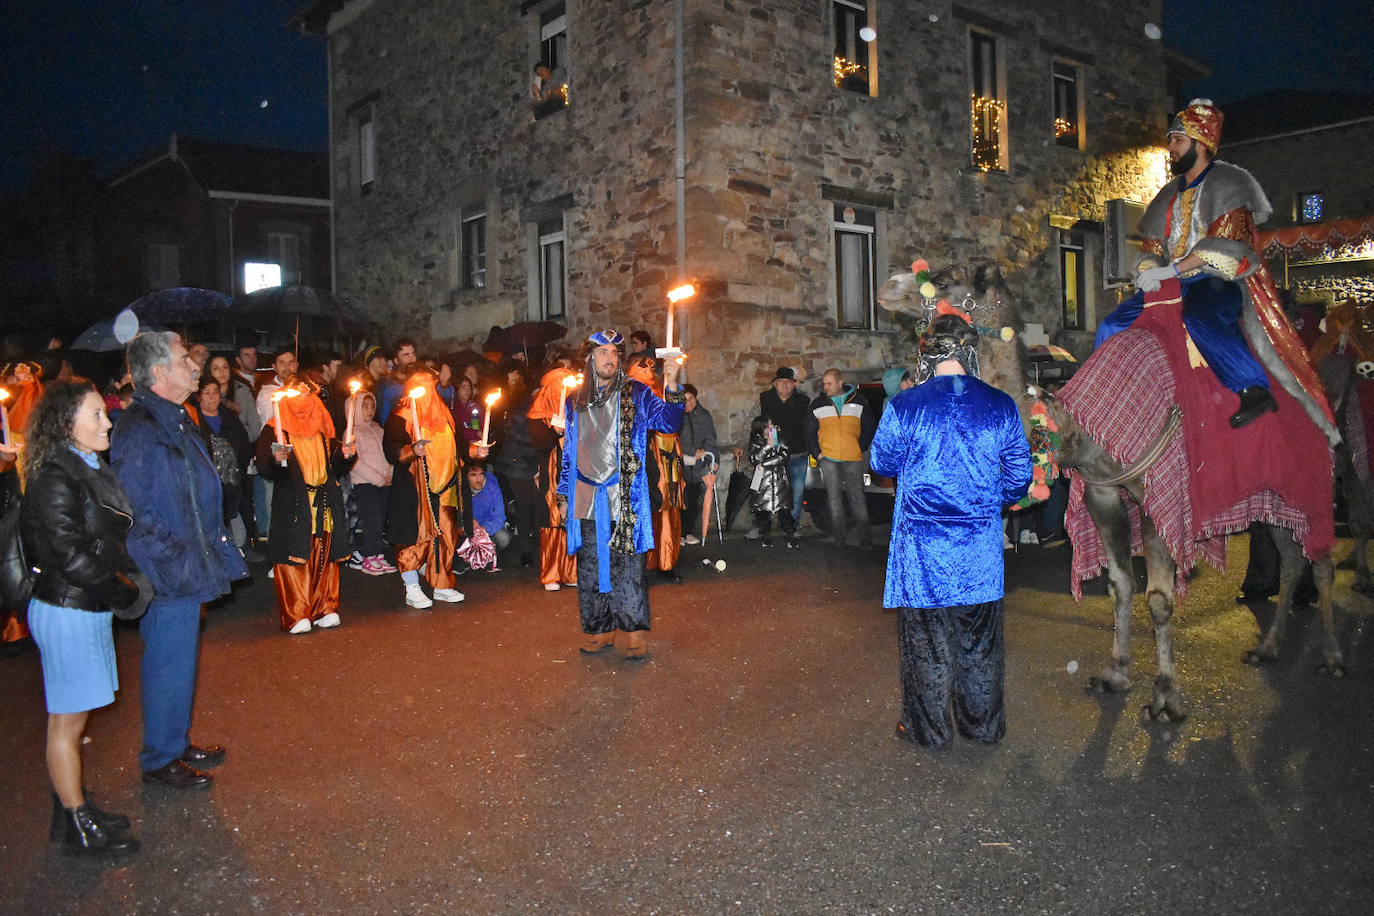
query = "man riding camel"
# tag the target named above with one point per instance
(1199, 243)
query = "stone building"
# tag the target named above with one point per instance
(826, 144)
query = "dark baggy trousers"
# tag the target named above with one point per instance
(626, 606)
(953, 669)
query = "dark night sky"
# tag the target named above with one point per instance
(113, 79)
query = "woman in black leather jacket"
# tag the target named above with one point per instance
(74, 520)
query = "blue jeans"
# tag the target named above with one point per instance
(262, 503)
(171, 644)
(844, 481)
(796, 474)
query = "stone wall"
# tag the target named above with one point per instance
(771, 143)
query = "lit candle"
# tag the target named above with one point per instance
(675, 295)
(668, 334)
(415, 394)
(277, 396)
(4, 419)
(353, 387)
(486, 421)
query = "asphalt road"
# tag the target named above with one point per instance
(468, 760)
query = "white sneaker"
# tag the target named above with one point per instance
(551, 586)
(327, 621)
(416, 597)
(451, 595)
(692, 539)
(302, 626)
(355, 560)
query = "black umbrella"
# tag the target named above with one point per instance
(111, 334)
(320, 314)
(737, 496)
(525, 336)
(181, 305)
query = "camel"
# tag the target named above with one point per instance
(1111, 491)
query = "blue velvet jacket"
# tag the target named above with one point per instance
(178, 539)
(957, 449)
(651, 412)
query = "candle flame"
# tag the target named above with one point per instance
(4, 394)
(286, 393)
(493, 397)
(354, 385)
(417, 392)
(685, 291)
(572, 381)
(681, 359)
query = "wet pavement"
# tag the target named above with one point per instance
(468, 759)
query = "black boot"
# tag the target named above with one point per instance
(115, 822)
(85, 834)
(1254, 400)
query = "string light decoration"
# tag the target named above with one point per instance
(987, 139)
(563, 91)
(844, 68)
(1063, 127)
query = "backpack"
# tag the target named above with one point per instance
(16, 575)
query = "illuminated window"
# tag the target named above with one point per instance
(1068, 113)
(474, 248)
(1071, 285)
(851, 60)
(1313, 207)
(553, 274)
(854, 243)
(551, 95)
(988, 103)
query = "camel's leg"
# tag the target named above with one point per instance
(1292, 564)
(1358, 516)
(1108, 512)
(1167, 702)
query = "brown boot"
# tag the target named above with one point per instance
(634, 645)
(598, 641)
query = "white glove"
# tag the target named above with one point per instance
(1149, 280)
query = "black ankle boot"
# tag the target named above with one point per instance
(115, 822)
(85, 834)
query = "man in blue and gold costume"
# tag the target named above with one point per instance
(606, 492)
(956, 447)
(1199, 245)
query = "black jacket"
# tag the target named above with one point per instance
(74, 522)
(288, 538)
(788, 416)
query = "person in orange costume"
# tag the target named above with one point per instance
(556, 566)
(25, 390)
(426, 513)
(307, 508)
(667, 485)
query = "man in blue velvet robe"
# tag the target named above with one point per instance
(606, 491)
(957, 449)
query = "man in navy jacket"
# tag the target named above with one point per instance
(179, 541)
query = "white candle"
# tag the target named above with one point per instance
(486, 421)
(276, 415)
(353, 387)
(4, 419)
(668, 336)
(415, 395)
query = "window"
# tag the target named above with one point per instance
(164, 266)
(1071, 285)
(473, 242)
(553, 37)
(284, 248)
(1068, 114)
(367, 149)
(553, 277)
(853, 37)
(989, 106)
(1312, 207)
(854, 292)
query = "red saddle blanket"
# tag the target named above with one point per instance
(1212, 480)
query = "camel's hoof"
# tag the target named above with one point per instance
(1102, 685)
(1331, 669)
(1166, 714)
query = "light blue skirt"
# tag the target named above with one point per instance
(77, 651)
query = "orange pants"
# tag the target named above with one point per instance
(667, 539)
(310, 590)
(556, 566)
(435, 554)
